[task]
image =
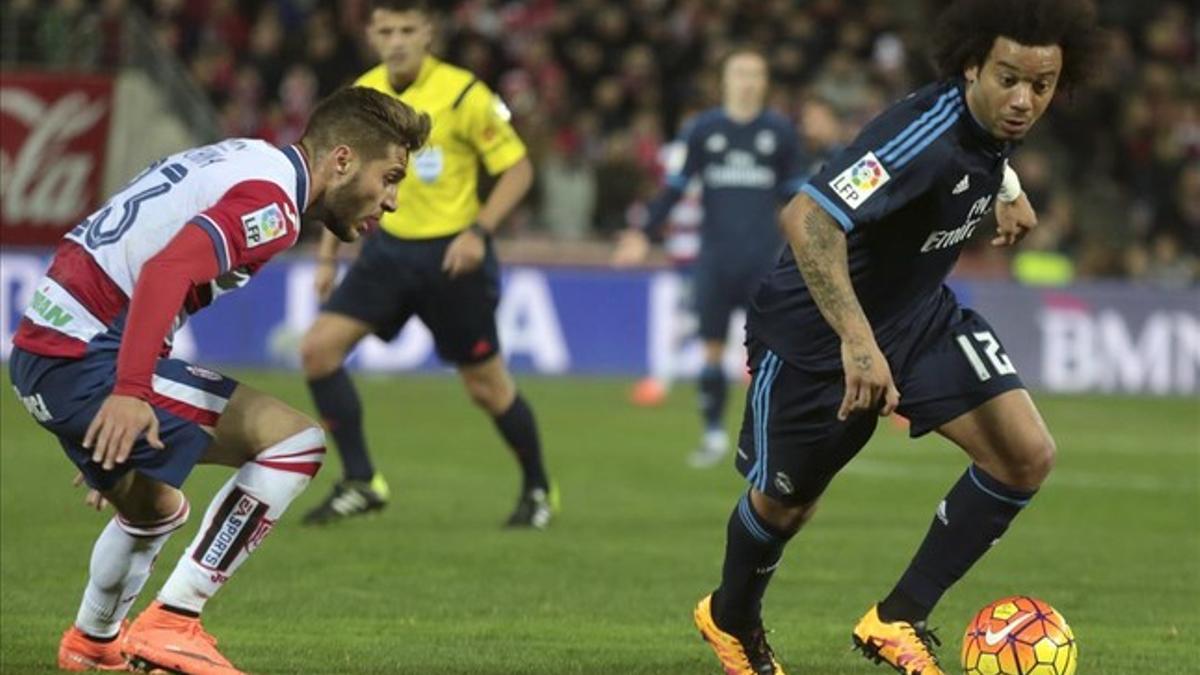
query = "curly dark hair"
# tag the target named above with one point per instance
(401, 5)
(967, 29)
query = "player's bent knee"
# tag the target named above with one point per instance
(145, 503)
(143, 528)
(785, 517)
(493, 394)
(1033, 463)
(300, 454)
(1045, 453)
(320, 355)
(481, 392)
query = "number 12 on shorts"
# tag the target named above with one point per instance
(1001, 364)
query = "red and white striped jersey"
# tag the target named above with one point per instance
(246, 195)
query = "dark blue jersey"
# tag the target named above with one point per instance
(909, 192)
(747, 171)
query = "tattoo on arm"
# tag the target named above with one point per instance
(820, 249)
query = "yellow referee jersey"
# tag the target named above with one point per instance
(438, 197)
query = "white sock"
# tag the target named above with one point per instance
(240, 516)
(121, 562)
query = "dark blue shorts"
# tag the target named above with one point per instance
(792, 444)
(64, 395)
(718, 291)
(394, 279)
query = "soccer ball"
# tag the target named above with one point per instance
(1019, 636)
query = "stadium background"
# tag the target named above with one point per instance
(1100, 310)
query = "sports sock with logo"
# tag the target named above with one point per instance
(712, 396)
(241, 515)
(974, 514)
(753, 549)
(519, 430)
(121, 563)
(339, 406)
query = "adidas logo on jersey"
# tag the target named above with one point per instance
(962, 185)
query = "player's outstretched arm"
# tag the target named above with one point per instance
(819, 245)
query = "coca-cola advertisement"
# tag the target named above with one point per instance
(53, 134)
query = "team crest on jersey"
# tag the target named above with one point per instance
(764, 141)
(716, 143)
(264, 225)
(204, 373)
(860, 181)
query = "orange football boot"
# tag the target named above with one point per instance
(753, 657)
(905, 647)
(78, 653)
(161, 639)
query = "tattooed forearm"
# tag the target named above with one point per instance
(820, 249)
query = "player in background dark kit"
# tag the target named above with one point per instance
(432, 258)
(749, 161)
(857, 322)
(91, 362)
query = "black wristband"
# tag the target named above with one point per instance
(480, 230)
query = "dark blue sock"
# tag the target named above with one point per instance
(974, 514)
(753, 550)
(519, 430)
(712, 396)
(338, 404)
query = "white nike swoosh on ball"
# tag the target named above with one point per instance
(993, 639)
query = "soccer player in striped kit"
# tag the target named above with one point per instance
(91, 362)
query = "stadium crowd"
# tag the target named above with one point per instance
(597, 87)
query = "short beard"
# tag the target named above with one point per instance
(328, 214)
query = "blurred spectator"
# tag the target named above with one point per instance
(821, 131)
(266, 48)
(567, 187)
(63, 35)
(328, 54)
(19, 32)
(298, 93)
(597, 85)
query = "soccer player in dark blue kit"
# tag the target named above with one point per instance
(858, 323)
(749, 161)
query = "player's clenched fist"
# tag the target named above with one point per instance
(117, 426)
(869, 385)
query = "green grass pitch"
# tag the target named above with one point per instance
(434, 586)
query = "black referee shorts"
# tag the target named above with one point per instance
(394, 279)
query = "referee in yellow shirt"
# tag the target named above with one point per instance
(433, 258)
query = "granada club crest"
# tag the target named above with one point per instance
(53, 138)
